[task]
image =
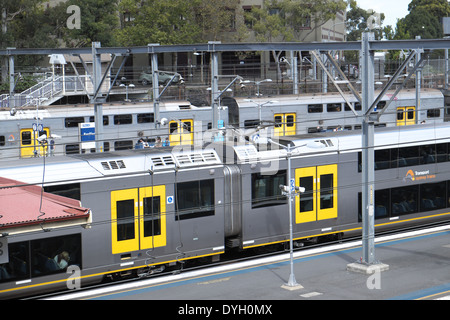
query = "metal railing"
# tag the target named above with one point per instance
(47, 90)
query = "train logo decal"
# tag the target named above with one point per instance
(409, 176)
(418, 175)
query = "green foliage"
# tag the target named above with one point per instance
(99, 21)
(174, 21)
(424, 19)
(282, 20)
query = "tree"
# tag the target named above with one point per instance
(213, 17)
(437, 8)
(174, 21)
(290, 20)
(20, 23)
(424, 19)
(99, 21)
(357, 19)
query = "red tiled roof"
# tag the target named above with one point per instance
(20, 206)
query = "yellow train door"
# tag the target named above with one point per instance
(406, 116)
(327, 192)
(181, 132)
(285, 124)
(138, 219)
(152, 207)
(29, 144)
(305, 206)
(319, 201)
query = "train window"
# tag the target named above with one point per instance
(356, 106)
(290, 120)
(187, 126)
(404, 200)
(427, 154)
(105, 120)
(173, 127)
(105, 146)
(152, 216)
(381, 105)
(266, 189)
(26, 137)
(2, 141)
(72, 148)
(382, 207)
(326, 191)
(407, 200)
(408, 156)
(334, 107)
(432, 196)
(71, 190)
(307, 197)
(125, 219)
(41, 257)
(145, 118)
(382, 204)
(248, 124)
(73, 122)
(123, 119)
(18, 267)
(54, 255)
(433, 113)
(195, 199)
(123, 145)
(315, 108)
(442, 152)
(382, 159)
(278, 121)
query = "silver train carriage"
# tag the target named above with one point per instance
(161, 207)
(69, 128)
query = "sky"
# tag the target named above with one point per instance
(392, 9)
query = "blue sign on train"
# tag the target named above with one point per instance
(87, 131)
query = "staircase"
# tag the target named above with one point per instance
(46, 92)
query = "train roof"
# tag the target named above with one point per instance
(75, 168)
(330, 97)
(345, 141)
(44, 112)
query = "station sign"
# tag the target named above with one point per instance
(87, 135)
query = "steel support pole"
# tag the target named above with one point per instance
(11, 80)
(418, 79)
(98, 107)
(155, 83)
(294, 72)
(214, 84)
(368, 192)
(446, 69)
(292, 281)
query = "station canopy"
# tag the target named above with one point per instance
(26, 208)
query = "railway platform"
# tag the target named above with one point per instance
(419, 268)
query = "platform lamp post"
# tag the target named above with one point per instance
(289, 191)
(257, 83)
(259, 104)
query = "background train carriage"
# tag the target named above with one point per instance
(309, 113)
(125, 124)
